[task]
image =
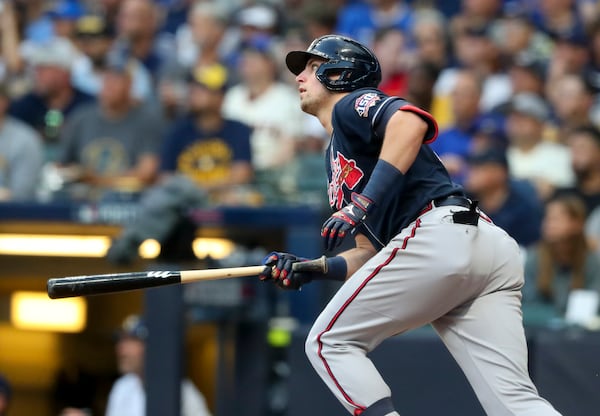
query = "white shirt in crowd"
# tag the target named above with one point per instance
(548, 161)
(128, 398)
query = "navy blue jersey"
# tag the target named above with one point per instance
(359, 120)
(205, 156)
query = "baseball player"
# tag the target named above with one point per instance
(424, 253)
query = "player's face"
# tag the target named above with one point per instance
(313, 94)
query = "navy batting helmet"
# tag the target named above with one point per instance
(356, 66)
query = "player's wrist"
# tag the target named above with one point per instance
(336, 269)
(384, 176)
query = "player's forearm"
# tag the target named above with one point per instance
(356, 257)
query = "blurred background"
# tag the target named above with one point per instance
(167, 135)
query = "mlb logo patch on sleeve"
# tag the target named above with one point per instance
(364, 102)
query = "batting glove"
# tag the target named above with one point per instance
(278, 267)
(345, 220)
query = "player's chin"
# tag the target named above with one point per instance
(308, 106)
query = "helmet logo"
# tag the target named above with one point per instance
(365, 102)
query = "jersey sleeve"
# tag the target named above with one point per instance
(398, 104)
(367, 111)
(354, 114)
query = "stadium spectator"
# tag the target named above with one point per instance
(21, 155)
(516, 34)
(115, 142)
(64, 15)
(511, 204)
(203, 41)
(547, 165)
(527, 74)
(421, 79)
(272, 108)
(584, 146)
(570, 55)
(137, 32)
(127, 396)
(95, 38)
(454, 142)
(206, 160)
(431, 38)
(209, 150)
(390, 46)
(475, 49)
(562, 261)
(572, 100)
(318, 18)
(53, 97)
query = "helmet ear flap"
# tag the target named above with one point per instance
(341, 76)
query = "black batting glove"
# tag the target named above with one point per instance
(345, 220)
(278, 267)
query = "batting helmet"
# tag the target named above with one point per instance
(356, 66)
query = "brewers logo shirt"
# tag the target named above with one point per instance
(205, 156)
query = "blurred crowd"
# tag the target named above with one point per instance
(165, 97)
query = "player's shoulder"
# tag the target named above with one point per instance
(363, 102)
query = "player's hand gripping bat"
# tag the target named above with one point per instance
(64, 287)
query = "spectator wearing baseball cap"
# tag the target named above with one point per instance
(546, 164)
(205, 159)
(570, 55)
(511, 204)
(115, 142)
(572, 99)
(64, 16)
(527, 73)
(127, 395)
(53, 97)
(271, 106)
(21, 155)
(95, 37)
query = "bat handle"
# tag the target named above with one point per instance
(312, 266)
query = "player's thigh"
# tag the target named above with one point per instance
(417, 278)
(487, 339)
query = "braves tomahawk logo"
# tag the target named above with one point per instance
(344, 172)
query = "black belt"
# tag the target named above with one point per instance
(452, 200)
(470, 217)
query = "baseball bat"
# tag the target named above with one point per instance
(65, 287)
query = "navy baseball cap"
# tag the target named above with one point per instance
(491, 155)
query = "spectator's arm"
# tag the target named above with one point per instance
(10, 39)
